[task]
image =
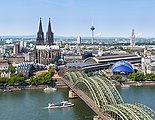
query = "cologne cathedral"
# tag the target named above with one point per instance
(45, 51)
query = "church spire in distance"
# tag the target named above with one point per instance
(49, 26)
(40, 35)
(40, 26)
(49, 35)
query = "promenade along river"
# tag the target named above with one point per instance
(29, 104)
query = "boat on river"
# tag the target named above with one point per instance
(125, 86)
(63, 104)
(49, 89)
(139, 84)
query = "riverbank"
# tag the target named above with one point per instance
(18, 88)
(58, 84)
(61, 84)
(133, 83)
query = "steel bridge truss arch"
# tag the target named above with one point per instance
(68, 77)
(148, 110)
(140, 112)
(91, 90)
(127, 112)
(112, 94)
(100, 91)
(74, 76)
(107, 99)
(114, 112)
(113, 89)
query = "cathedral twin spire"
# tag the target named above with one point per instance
(49, 35)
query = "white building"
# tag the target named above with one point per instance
(2, 49)
(16, 48)
(25, 44)
(79, 40)
(21, 44)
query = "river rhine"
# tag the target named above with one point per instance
(29, 104)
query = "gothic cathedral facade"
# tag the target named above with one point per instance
(46, 52)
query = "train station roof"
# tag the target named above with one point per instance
(113, 58)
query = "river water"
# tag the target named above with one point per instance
(30, 104)
(141, 94)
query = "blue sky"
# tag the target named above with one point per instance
(111, 18)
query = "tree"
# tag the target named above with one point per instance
(89, 74)
(150, 77)
(32, 81)
(12, 69)
(43, 79)
(136, 76)
(103, 75)
(16, 79)
(3, 80)
(117, 77)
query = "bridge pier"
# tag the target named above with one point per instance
(72, 94)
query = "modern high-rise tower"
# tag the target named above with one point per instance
(79, 40)
(132, 38)
(92, 29)
(16, 49)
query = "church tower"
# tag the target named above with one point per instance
(46, 52)
(40, 35)
(49, 35)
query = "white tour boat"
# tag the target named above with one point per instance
(49, 89)
(125, 86)
(63, 104)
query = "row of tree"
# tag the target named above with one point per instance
(18, 79)
(43, 79)
(15, 79)
(136, 76)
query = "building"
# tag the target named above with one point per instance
(148, 62)
(151, 68)
(85, 67)
(45, 52)
(2, 49)
(79, 40)
(71, 58)
(26, 67)
(16, 48)
(28, 56)
(111, 59)
(21, 45)
(4, 65)
(132, 38)
(25, 44)
(15, 59)
(122, 68)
